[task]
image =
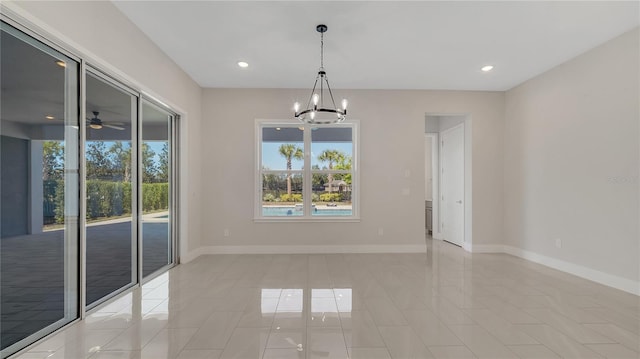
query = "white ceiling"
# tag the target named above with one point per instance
(377, 44)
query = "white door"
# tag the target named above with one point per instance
(452, 184)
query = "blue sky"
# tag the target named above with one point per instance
(156, 146)
(273, 160)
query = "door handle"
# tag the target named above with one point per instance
(459, 202)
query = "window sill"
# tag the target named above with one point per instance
(306, 220)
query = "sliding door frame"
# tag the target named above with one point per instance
(135, 149)
(36, 39)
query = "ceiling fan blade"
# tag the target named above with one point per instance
(114, 127)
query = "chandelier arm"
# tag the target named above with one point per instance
(322, 77)
(330, 93)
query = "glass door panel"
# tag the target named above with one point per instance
(110, 190)
(39, 142)
(156, 188)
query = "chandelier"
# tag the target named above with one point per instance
(321, 109)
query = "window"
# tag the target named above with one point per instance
(306, 172)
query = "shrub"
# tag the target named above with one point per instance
(294, 197)
(109, 198)
(330, 197)
(155, 196)
(315, 197)
(269, 197)
(59, 201)
(126, 197)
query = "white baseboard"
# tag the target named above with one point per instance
(624, 284)
(406, 248)
(597, 276)
(188, 257)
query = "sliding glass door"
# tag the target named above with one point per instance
(39, 189)
(110, 155)
(95, 189)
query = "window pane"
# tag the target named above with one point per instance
(332, 194)
(331, 148)
(282, 194)
(39, 190)
(156, 177)
(109, 186)
(282, 148)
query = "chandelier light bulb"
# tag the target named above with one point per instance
(296, 107)
(344, 104)
(315, 98)
(313, 115)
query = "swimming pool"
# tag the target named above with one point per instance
(291, 211)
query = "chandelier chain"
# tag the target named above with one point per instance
(322, 50)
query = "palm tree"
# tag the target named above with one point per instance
(290, 151)
(331, 156)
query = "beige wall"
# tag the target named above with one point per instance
(392, 128)
(571, 161)
(101, 34)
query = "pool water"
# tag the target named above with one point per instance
(291, 211)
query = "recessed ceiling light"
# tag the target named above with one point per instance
(243, 64)
(487, 68)
(49, 117)
(61, 63)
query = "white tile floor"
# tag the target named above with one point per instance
(441, 304)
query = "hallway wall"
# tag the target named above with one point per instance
(571, 164)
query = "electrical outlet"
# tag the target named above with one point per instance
(226, 232)
(558, 243)
(380, 231)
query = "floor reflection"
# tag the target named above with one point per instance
(444, 303)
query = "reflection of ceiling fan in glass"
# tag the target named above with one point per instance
(97, 123)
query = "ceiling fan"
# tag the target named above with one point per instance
(97, 123)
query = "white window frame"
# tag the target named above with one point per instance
(307, 173)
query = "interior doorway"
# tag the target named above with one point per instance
(448, 178)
